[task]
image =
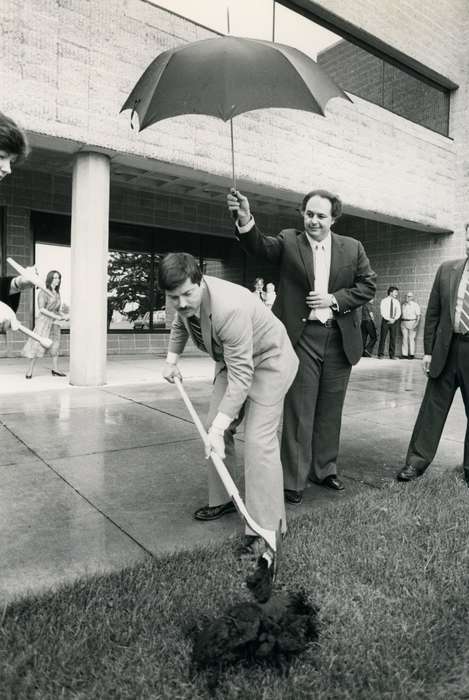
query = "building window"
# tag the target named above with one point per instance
(374, 79)
(134, 302)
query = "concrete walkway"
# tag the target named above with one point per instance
(92, 480)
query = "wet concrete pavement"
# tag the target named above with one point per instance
(92, 480)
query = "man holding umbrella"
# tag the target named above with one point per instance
(324, 279)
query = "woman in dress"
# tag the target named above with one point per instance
(51, 312)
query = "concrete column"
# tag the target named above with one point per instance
(89, 257)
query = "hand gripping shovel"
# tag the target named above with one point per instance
(270, 537)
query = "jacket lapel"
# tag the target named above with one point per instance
(206, 319)
(454, 279)
(337, 259)
(306, 255)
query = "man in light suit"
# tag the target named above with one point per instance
(255, 365)
(324, 279)
(445, 362)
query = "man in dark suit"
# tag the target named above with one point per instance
(323, 280)
(368, 328)
(446, 363)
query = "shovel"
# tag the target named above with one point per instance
(270, 537)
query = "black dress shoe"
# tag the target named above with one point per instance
(56, 373)
(408, 473)
(333, 482)
(28, 376)
(214, 512)
(293, 496)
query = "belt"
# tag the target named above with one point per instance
(464, 337)
(330, 323)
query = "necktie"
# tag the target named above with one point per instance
(320, 279)
(392, 310)
(464, 318)
(194, 324)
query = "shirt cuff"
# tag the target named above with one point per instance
(172, 358)
(221, 422)
(334, 305)
(247, 227)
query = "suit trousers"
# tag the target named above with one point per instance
(386, 328)
(435, 406)
(263, 478)
(409, 332)
(369, 336)
(313, 407)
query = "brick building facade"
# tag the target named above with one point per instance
(68, 65)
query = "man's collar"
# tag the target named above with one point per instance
(325, 241)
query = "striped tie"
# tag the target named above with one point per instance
(194, 325)
(464, 318)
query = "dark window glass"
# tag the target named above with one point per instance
(362, 73)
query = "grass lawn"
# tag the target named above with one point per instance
(389, 569)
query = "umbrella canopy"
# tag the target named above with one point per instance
(229, 75)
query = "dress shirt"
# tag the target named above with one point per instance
(325, 313)
(321, 276)
(460, 297)
(385, 308)
(410, 311)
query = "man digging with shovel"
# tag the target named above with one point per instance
(255, 365)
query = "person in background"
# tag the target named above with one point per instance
(13, 145)
(259, 288)
(445, 363)
(51, 313)
(410, 320)
(390, 309)
(323, 279)
(269, 296)
(13, 149)
(368, 328)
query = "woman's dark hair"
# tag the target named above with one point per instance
(12, 139)
(175, 269)
(336, 202)
(50, 277)
(392, 289)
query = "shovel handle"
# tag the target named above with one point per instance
(270, 536)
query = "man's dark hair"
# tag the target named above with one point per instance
(12, 139)
(392, 289)
(336, 202)
(174, 270)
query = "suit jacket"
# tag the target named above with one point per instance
(351, 281)
(439, 320)
(241, 334)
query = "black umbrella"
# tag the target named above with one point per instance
(226, 76)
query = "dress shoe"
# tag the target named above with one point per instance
(366, 353)
(214, 512)
(28, 376)
(333, 482)
(56, 373)
(408, 473)
(294, 497)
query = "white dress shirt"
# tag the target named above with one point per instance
(385, 308)
(460, 298)
(322, 268)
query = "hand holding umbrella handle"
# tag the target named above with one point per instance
(31, 276)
